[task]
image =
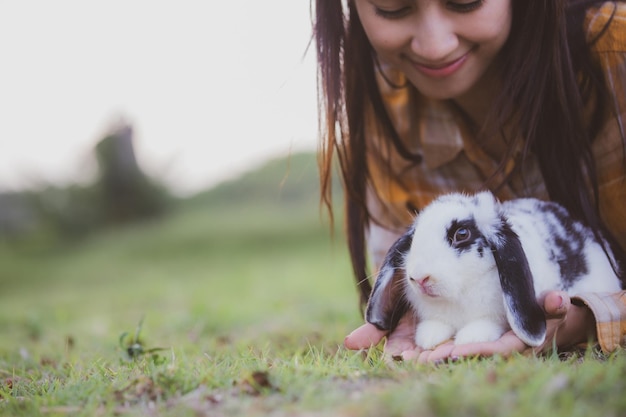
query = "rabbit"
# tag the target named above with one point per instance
(471, 268)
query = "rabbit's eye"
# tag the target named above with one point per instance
(461, 235)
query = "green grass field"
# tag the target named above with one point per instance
(249, 300)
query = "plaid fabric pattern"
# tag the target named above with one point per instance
(452, 160)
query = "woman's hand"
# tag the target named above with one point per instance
(567, 325)
(399, 343)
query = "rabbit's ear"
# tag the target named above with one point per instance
(524, 314)
(387, 303)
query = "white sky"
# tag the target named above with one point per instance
(209, 86)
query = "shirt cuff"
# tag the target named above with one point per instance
(609, 310)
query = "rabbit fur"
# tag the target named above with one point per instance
(472, 267)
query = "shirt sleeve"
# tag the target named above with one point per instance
(609, 49)
(379, 237)
(609, 310)
(379, 241)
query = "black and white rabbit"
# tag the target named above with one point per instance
(471, 268)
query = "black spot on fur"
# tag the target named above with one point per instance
(567, 244)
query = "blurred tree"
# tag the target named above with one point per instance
(127, 193)
(121, 193)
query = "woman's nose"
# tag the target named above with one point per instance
(434, 39)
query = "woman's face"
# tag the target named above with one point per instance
(445, 47)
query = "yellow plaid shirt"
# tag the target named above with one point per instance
(453, 161)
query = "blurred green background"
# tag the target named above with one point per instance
(251, 256)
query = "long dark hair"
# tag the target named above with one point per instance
(549, 80)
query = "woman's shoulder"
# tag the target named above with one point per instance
(603, 38)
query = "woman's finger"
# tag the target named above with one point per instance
(505, 346)
(556, 304)
(439, 354)
(364, 337)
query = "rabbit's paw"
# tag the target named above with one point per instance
(479, 331)
(430, 333)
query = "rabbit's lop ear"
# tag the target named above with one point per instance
(387, 303)
(524, 314)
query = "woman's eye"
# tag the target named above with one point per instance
(464, 7)
(392, 14)
(461, 235)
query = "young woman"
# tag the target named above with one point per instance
(526, 98)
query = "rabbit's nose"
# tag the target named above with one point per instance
(421, 280)
(425, 284)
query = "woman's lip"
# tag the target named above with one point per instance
(441, 71)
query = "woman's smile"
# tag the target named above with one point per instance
(441, 70)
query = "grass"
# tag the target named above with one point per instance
(249, 308)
